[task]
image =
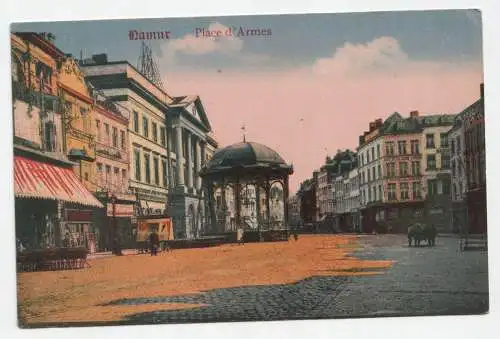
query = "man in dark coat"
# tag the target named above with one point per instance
(154, 241)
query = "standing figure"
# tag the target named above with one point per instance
(154, 241)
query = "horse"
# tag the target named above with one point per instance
(430, 233)
(419, 233)
(416, 234)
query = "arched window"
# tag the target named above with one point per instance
(17, 77)
(15, 70)
(50, 137)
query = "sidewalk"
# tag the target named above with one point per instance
(449, 235)
(99, 255)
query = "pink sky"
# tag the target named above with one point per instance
(336, 97)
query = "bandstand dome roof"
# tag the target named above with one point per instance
(250, 155)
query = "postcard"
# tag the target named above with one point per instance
(249, 168)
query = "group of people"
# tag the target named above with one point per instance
(154, 243)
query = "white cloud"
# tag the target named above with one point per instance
(201, 45)
(380, 54)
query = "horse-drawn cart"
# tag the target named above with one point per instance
(161, 224)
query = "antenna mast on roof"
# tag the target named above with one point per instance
(148, 66)
(244, 131)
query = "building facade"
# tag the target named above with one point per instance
(112, 175)
(167, 141)
(77, 105)
(325, 194)
(456, 140)
(407, 163)
(52, 206)
(475, 164)
(348, 201)
(308, 204)
(436, 171)
(294, 212)
(370, 166)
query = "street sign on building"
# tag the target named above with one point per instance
(121, 210)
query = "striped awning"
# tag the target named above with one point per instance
(34, 179)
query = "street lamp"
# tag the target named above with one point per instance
(116, 243)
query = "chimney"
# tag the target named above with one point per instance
(378, 123)
(100, 59)
(414, 114)
(372, 126)
(481, 88)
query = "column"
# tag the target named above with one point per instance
(257, 205)
(285, 203)
(189, 160)
(237, 201)
(224, 205)
(211, 206)
(178, 153)
(268, 208)
(198, 164)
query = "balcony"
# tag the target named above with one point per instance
(38, 99)
(416, 176)
(403, 157)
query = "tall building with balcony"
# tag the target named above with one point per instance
(52, 206)
(348, 200)
(308, 204)
(78, 115)
(404, 153)
(456, 141)
(112, 174)
(370, 154)
(475, 164)
(330, 189)
(168, 140)
(325, 199)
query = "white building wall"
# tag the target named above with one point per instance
(457, 159)
(370, 170)
(437, 151)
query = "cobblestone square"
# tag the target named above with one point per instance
(315, 277)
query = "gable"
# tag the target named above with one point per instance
(193, 110)
(72, 76)
(201, 114)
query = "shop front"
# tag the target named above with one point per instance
(52, 206)
(476, 208)
(117, 216)
(78, 227)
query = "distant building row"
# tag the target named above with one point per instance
(406, 169)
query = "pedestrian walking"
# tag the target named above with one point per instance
(154, 241)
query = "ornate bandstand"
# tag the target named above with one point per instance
(246, 185)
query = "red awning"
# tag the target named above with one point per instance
(34, 179)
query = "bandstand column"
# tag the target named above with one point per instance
(179, 156)
(224, 205)
(257, 205)
(189, 160)
(285, 202)
(237, 200)
(268, 208)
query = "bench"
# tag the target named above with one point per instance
(51, 259)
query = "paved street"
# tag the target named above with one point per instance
(318, 276)
(423, 281)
